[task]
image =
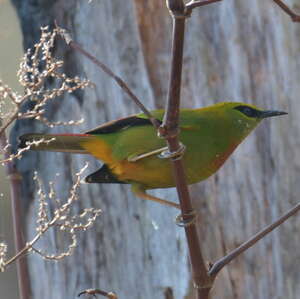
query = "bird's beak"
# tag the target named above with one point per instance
(270, 113)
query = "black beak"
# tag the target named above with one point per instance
(270, 113)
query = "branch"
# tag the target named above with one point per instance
(93, 292)
(169, 131)
(221, 263)
(66, 36)
(287, 10)
(15, 190)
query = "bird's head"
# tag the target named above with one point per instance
(245, 116)
(250, 112)
(237, 120)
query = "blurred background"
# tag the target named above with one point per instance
(10, 54)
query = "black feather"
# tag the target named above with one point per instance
(103, 175)
(120, 124)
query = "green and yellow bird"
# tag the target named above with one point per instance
(130, 147)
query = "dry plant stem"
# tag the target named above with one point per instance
(287, 10)
(61, 219)
(24, 250)
(13, 117)
(93, 292)
(118, 80)
(15, 188)
(218, 266)
(169, 131)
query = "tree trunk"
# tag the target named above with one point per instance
(235, 51)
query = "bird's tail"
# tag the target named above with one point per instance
(70, 143)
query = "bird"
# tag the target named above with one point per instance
(132, 152)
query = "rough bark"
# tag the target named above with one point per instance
(235, 51)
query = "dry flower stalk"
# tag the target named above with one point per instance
(60, 219)
(20, 151)
(94, 292)
(3, 252)
(37, 66)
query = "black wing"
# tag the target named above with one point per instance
(120, 124)
(103, 175)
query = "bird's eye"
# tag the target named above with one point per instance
(248, 111)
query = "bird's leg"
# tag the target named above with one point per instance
(162, 152)
(139, 191)
(146, 155)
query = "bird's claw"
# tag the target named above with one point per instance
(176, 155)
(187, 219)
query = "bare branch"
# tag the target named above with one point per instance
(221, 263)
(94, 292)
(15, 191)
(169, 130)
(295, 17)
(66, 36)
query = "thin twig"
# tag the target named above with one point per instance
(109, 72)
(218, 266)
(23, 251)
(15, 190)
(93, 292)
(287, 10)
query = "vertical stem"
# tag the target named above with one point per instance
(15, 191)
(201, 279)
(171, 116)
